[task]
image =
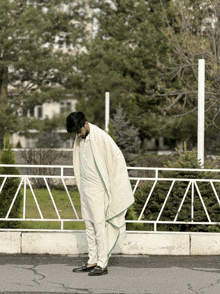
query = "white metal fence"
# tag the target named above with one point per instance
(63, 176)
(210, 176)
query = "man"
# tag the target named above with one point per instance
(105, 190)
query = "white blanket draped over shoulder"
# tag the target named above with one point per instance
(111, 166)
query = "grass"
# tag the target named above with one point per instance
(48, 211)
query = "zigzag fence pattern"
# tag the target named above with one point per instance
(64, 176)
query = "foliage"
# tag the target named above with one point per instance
(192, 34)
(185, 160)
(42, 156)
(18, 145)
(126, 136)
(122, 59)
(10, 187)
(49, 140)
(145, 53)
(111, 131)
(31, 66)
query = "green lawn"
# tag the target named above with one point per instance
(64, 208)
(45, 203)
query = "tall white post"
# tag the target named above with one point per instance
(107, 110)
(201, 111)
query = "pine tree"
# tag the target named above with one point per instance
(187, 159)
(10, 187)
(123, 59)
(126, 136)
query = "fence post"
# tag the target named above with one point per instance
(25, 195)
(201, 111)
(192, 202)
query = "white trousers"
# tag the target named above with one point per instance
(97, 243)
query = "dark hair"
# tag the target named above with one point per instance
(75, 121)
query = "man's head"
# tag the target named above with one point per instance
(76, 122)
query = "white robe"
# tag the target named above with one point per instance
(110, 164)
(92, 189)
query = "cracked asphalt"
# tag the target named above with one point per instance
(38, 274)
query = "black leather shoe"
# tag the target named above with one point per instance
(98, 271)
(84, 268)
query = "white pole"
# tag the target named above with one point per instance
(201, 111)
(107, 110)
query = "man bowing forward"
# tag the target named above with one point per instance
(105, 190)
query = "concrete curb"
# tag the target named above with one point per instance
(74, 242)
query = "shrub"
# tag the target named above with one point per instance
(42, 156)
(49, 140)
(10, 187)
(125, 136)
(188, 160)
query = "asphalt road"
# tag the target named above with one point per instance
(38, 274)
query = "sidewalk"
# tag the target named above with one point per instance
(22, 274)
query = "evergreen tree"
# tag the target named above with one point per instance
(32, 70)
(146, 54)
(185, 160)
(126, 136)
(123, 59)
(10, 187)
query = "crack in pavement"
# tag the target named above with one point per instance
(33, 269)
(83, 291)
(198, 291)
(191, 288)
(67, 288)
(89, 291)
(211, 285)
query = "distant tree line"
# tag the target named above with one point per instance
(145, 53)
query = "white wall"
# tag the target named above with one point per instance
(150, 243)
